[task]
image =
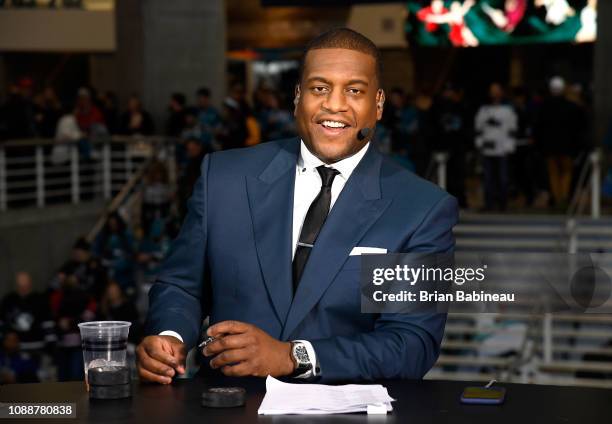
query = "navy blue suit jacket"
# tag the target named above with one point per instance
(232, 261)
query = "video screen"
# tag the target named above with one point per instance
(471, 23)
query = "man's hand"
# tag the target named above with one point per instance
(160, 358)
(245, 350)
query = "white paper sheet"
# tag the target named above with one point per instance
(287, 398)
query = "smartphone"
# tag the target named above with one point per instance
(483, 395)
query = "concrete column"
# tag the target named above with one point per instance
(603, 69)
(170, 46)
(129, 57)
(3, 78)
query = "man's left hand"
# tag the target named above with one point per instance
(242, 349)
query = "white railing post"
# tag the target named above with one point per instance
(441, 158)
(595, 185)
(40, 177)
(74, 173)
(572, 233)
(2, 180)
(106, 170)
(547, 338)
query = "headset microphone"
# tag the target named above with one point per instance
(363, 133)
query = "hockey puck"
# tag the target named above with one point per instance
(108, 376)
(224, 397)
(110, 392)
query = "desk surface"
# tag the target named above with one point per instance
(417, 402)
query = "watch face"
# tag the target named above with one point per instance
(301, 355)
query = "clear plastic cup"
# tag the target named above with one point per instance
(104, 344)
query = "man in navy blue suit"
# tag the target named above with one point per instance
(269, 249)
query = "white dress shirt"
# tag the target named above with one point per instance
(308, 184)
(307, 187)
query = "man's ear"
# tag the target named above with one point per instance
(296, 99)
(380, 104)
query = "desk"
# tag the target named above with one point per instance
(417, 402)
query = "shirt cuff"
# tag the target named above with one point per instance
(313, 360)
(175, 334)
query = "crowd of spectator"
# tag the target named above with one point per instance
(41, 326)
(524, 147)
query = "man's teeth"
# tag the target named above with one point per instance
(334, 124)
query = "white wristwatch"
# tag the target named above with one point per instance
(301, 359)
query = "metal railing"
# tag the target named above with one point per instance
(436, 169)
(589, 180)
(38, 172)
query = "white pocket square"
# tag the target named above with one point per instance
(360, 250)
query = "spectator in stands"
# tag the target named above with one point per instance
(401, 123)
(453, 125)
(152, 249)
(136, 120)
(115, 306)
(237, 92)
(422, 140)
(496, 125)
(233, 132)
(176, 120)
(557, 131)
(70, 304)
(253, 130)
(27, 313)
(400, 119)
(275, 123)
(92, 276)
(88, 116)
(48, 112)
(195, 154)
(191, 127)
(115, 246)
(16, 366)
(91, 123)
(67, 133)
(107, 101)
(527, 164)
(156, 195)
(18, 111)
(208, 117)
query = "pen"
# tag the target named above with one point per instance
(208, 340)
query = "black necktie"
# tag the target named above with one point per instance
(317, 213)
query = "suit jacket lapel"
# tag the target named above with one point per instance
(271, 203)
(356, 209)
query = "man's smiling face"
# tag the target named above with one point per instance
(338, 96)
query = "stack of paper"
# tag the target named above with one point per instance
(286, 398)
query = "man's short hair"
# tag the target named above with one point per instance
(344, 38)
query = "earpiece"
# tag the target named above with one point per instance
(381, 99)
(296, 99)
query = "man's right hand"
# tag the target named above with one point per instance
(160, 358)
